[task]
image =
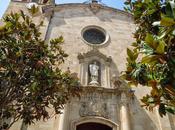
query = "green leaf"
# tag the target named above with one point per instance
(22, 14)
(170, 9)
(153, 59)
(161, 47)
(147, 1)
(170, 109)
(149, 12)
(149, 40)
(134, 44)
(130, 53)
(34, 86)
(162, 111)
(167, 21)
(34, 10)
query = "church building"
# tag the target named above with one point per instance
(96, 37)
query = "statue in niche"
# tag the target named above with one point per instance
(94, 73)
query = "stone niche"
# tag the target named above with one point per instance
(103, 62)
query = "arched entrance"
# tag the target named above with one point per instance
(93, 123)
(93, 126)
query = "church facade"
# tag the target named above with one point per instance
(96, 38)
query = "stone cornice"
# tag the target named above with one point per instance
(103, 89)
(58, 7)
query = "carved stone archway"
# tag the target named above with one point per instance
(93, 119)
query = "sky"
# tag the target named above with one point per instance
(111, 3)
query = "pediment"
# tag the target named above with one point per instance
(94, 53)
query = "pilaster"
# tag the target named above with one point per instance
(124, 113)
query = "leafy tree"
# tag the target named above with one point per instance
(31, 81)
(151, 59)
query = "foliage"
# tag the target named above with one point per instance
(151, 59)
(33, 10)
(31, 81)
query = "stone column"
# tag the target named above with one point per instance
(108, 76)
(81, 74)
(107, 72)
(124, 113)
(86, 76)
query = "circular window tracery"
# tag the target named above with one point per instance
(94, 35)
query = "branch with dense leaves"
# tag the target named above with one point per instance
(30, 78)
(155, 47)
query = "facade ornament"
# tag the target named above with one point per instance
(116, 81)
(131, 93)
(94, 73)
(124, 98)
(93, 107)
(109, 59)
(95, 7)
(94, 52)
(80, 57)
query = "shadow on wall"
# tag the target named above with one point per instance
(140, 120)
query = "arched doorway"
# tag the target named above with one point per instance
(93, 126)
(91, 122)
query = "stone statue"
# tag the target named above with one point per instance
(94, 68)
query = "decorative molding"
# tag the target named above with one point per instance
(124, 98)
(93, 105)
(93, 108)
(91, 53)
(95, 7)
